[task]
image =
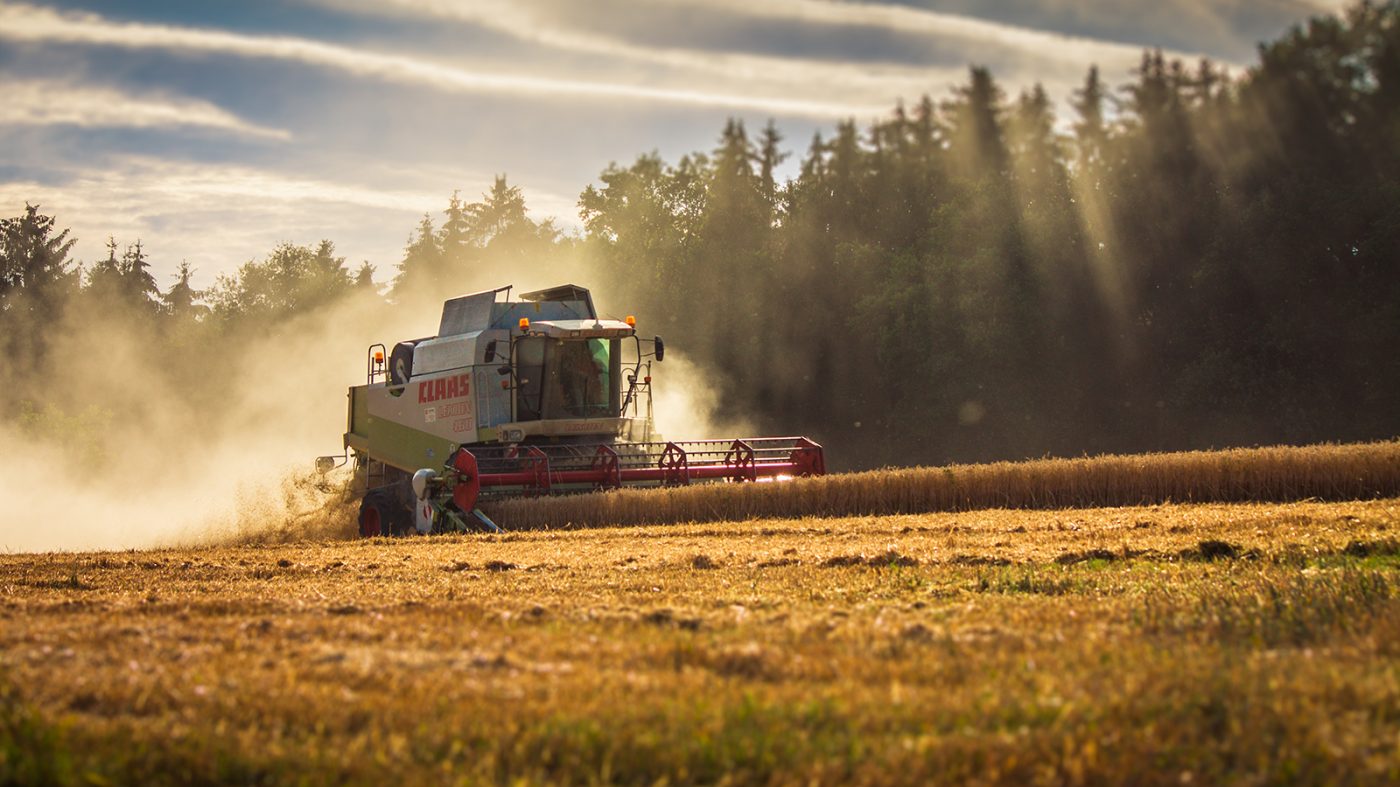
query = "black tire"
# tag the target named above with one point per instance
(381, 514)
(401, 363)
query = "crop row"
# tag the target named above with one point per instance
(1274, 474)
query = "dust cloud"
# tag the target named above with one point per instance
(131, 445)
(183, 448)
(686, 402)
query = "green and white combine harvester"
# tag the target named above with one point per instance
(518, 398)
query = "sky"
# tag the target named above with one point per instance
(214, 130)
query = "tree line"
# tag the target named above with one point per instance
(1189, 259)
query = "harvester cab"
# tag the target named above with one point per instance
(532, 396)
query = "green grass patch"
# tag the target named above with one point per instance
(1266, 610)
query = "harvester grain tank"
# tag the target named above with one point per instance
(532, 396)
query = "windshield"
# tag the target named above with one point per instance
(579, 383)
(566, 379)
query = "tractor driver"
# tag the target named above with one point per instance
(581, 375)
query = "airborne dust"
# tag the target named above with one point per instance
(123, 444)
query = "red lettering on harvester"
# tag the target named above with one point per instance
(444, 388)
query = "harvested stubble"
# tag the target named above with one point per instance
(1175, 644)
(1276, 474)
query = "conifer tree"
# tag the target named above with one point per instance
(138, 286)
(104, 278)
(1090, 128)
(182, 300)
(422, 267)
(36, 281)
(457, 237)
(364, 278)
(34, 260)
(771, 156)
(973, 119)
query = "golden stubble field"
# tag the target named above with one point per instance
(1165, 644)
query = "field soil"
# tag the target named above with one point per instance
(1165, 644)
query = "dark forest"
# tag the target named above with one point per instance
(1178, 258)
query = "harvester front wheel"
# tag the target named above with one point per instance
(377, 514)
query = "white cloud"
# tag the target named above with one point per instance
(1228, 30)
(534, 20)
(1077, 50)
(27, 23)
(217, 216)
(1019, 56)
(50, 102)
(874, 84)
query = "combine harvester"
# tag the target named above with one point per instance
(532, 397)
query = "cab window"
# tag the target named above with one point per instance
(530, 378)
(580, 383)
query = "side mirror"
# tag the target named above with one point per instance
(660, 348)
(491, 351)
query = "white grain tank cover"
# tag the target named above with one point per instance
(467, 313)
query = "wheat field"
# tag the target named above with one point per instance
(1284, 473)
(1186, 643)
